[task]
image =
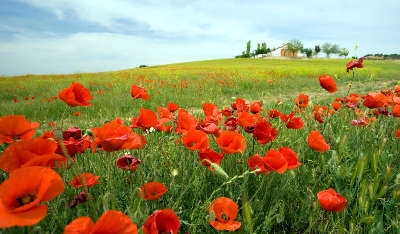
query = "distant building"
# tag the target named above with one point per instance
(280, 51)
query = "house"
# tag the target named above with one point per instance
(280, 51)
(283, 51)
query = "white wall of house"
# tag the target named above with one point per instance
(276, 53)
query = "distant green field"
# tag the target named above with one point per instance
(363, 163)
(217, 81)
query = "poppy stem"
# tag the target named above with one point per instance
(111, 186)
(348, 91)
(252, 148)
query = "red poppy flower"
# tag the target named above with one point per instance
(354, 63)
(247, 119)
(231, 123)
(375, 100)
(397, 133)
(165, 114)
(172, 107)
(22, 195)
(264, 133)
(79, 199)
(146, 119)
(116, 136)
(396, 100)
(350, 101)
(165, 117)
(360, 122)
(138, 92)
(290, 156)
(209, 128)
(128, 162)
(31, 152)
(16, 127)
(73, 132)
(152, 191)
(274, 114)
(224, 210)
(47, 135)
(196, 140)
(231, 142)
(211, 112)
(84, 179)
(302, 101)
(285, 118)
(328, 83)
(73, 141)
(318, 117)
(226, 112)
(240, 105)
(320, 113)
(295, 123)
(211, 156)
(257, 162)
(331, 201)
(77, 113)
(76, 95)
(336, 105)
(74, 146)
(255, 107)
(185, 122)
(275, 161)
(162, 221)
(317, 142)
(111, 221)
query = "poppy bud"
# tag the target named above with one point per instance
(217, 168)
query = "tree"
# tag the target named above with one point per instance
(258, 50)
(308, 52)
(261, 49)
(335, 49)
(264, 48)
(295, 46)
(326, 48)
(329, 49)
(317, 49)
(248, 47)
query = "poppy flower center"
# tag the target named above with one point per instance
(21, 201)
(128, 161)
(225, 217)
(153, 193)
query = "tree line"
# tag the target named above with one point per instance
(296, 46)
(385, 56)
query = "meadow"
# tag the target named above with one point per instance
(362, 163)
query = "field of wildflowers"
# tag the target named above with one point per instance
(243, 145)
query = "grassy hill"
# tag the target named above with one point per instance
(362, 164)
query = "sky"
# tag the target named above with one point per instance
(75, 36)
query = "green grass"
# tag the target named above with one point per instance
(362, 165)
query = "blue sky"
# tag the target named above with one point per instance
(68, 36)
